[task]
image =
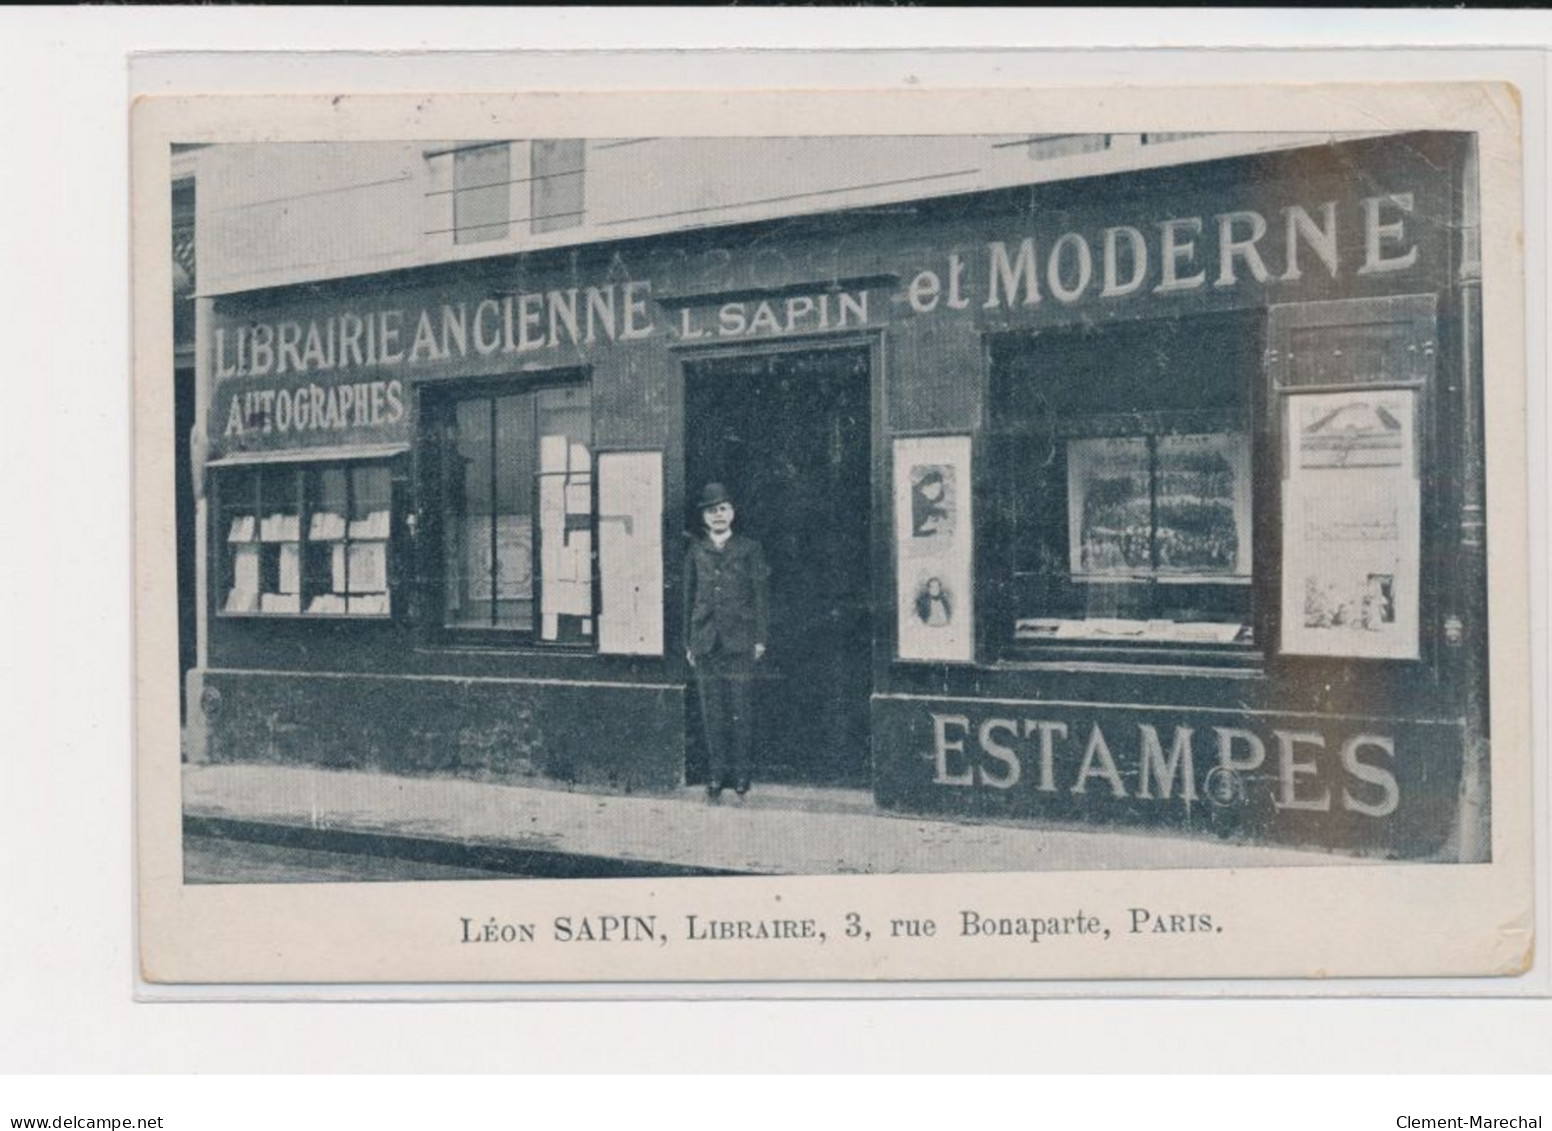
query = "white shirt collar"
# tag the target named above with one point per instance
(719, 542)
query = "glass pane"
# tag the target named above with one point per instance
(1109, 507)
(237, 528)
(514, 455)
(471, 473)
(1158, 543)
(567, 411)
(566, 512)
(280, 534)
(1203, 506)
(513, 563)
(556, 198)
(322, 584)
(371, 491)
(371, 501)
(466, 520)
(481, 193)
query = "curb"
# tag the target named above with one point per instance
(501, 860)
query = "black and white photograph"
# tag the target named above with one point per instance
(692, 509)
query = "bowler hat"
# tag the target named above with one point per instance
(712, 495)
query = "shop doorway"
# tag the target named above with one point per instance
(789, 434)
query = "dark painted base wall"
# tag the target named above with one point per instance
(613, 736)
(1376, 787)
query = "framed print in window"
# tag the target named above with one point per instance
(934, 532)
(1351, 508)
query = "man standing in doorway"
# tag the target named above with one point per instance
(727, 614)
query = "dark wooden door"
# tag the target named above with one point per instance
(789, 434)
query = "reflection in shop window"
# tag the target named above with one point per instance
(311, 541)
(1126, 464)
(518, 514)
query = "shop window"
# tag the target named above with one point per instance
(1126, 497)
(516, 512)
(306, 541)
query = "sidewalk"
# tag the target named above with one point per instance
(787, 830)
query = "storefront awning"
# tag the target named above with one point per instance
(312, 455)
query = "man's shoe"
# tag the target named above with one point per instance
(713, 793)
(742, 787)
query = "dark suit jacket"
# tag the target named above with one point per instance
(726, 597)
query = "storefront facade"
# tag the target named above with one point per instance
(1150, 499)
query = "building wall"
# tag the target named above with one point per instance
(275, 214)
(931, 378)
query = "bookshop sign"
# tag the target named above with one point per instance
(295, 374)
(1349, 783)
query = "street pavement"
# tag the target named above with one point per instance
(776, 830)
(222, 860)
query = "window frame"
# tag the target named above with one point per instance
(491, 231)
(304, 473)
(536, 170)
(438, 403)
(1410, 320)
(1246, 417)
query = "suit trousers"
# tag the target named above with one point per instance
(726, 687)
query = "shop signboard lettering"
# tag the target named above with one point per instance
(310, 371)
(1325, 779)
(313, 409)
(1107, 262)
(1167, 762)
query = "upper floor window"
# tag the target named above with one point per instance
(482, 178)
(483, 191)
(556, 199)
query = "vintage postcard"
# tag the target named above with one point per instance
(832, 537)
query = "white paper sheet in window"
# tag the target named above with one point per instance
(290, 568)
(374, 525)
(280, 528)
(280, 603)
(552, 504)
(242, 601)
(242, 529)
(371, 605)
(630, 553)
(326, 526)
(552, 453)
(368, 567)
(245, 569)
